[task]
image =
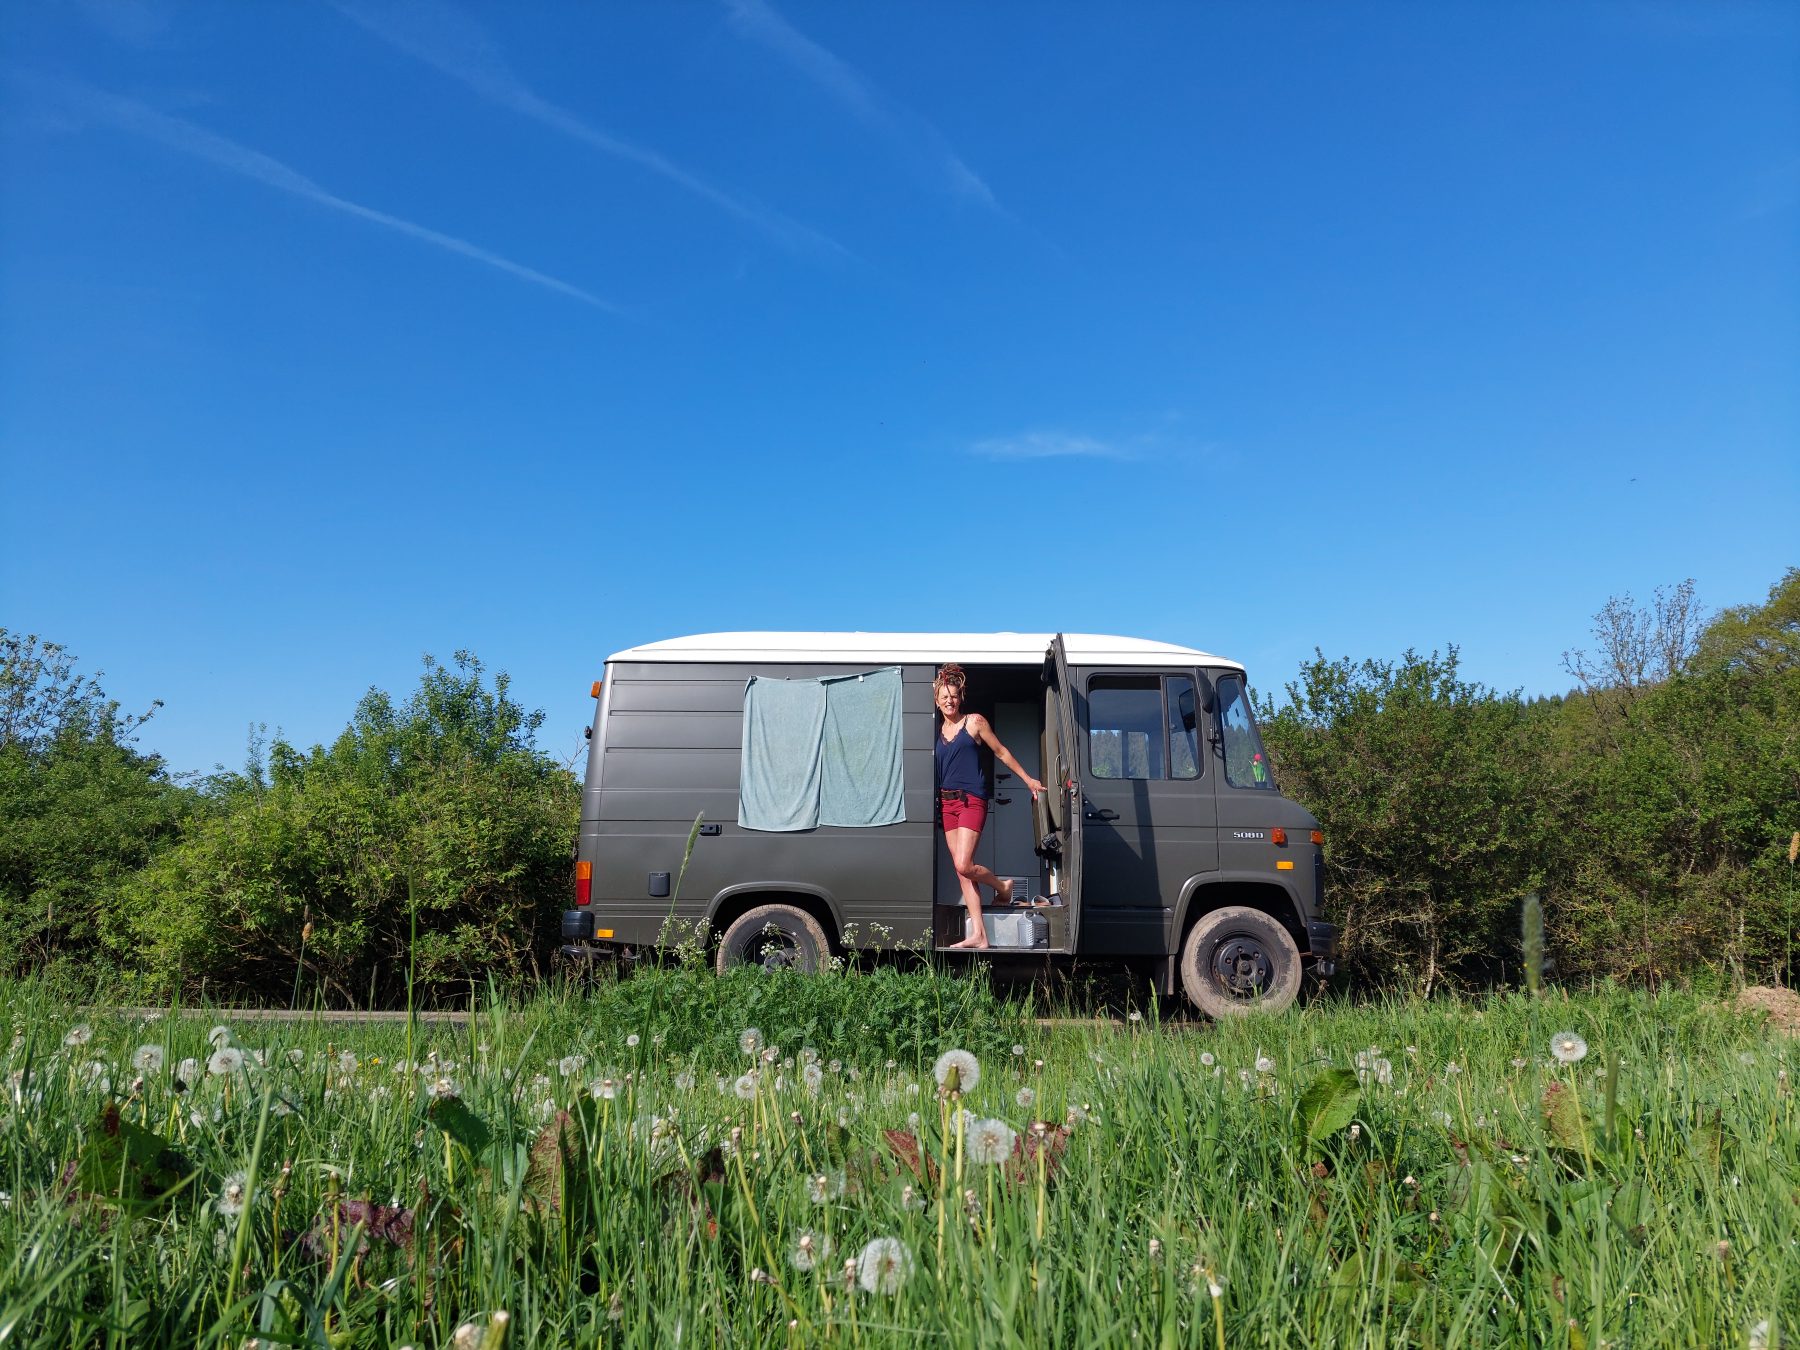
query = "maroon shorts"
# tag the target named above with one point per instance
(968, 813)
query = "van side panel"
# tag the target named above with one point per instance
(672, 750)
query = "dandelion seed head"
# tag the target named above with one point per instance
(1568, 1048)
(1025, 1098)
(813, 1077)
(957, 1071)
(234, 1194)
(883, 1266)
(991, 1141)
(79, 1034)
(570, 1065)
(811, 1250)
(218, 1036)
(631, 1041)
(147, 1059)
(1207, 1058)
(745, 1087)
(226, 1059)
(750, 1040)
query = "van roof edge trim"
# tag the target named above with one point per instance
(1086, 649)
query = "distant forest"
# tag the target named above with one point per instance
(1655, 809)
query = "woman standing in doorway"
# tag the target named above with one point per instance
(962, 794)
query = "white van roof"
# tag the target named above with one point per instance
(1084, 649)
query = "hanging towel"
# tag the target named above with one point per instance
(821, 752)
(778, 784)
(860, 765)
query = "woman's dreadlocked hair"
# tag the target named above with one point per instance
(951, 674)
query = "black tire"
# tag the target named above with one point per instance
(775, 937)
(1238, 961)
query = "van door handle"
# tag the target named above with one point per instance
(1002, 801)
(1104, 813)
(710, 829)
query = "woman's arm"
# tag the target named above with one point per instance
(981, 731)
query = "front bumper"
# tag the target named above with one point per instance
(1322, 944)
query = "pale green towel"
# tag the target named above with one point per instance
(821, 752)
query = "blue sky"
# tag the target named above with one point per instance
(333, 334)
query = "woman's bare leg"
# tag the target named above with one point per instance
(962, 854)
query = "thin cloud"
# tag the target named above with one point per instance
(443, 37)
(758, 21)
(140, 119)
(1049, 445)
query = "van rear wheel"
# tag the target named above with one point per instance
(1239, 960)
(775, 937)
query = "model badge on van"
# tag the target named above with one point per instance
(1249, 834)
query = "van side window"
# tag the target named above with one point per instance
(1246, 764)
(1133, 733)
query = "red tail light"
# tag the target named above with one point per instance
(1278, 835)
(584, 883)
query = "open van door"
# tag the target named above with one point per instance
(1062, 771)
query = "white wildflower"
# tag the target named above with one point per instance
(750, 1040)
(1025, 1098)
(991, 1141)
(1264, 1064)
(225, 1060)
(235, 1194)
(745, 1087)
(1568, 1047)
(1206, 1058)
(147, 1059)
(810, 1251)
(631, 1041)
(813, 1077)
(957, 1071)
(883, 1266)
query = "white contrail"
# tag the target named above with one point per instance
(448, 40)
(756, 19)
(140, 119)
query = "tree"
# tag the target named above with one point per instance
(1640, 645)
(1435, 816)
(431, 833)
(80, 808)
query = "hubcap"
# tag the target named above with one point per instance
(774, 951)
(1241, 967)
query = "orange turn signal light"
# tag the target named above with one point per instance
(1285, 865)
(595, 691)
(584, 883)
(1278, 834)
(1318, 837)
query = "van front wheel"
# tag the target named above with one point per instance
(775, 937)
(1238, 960)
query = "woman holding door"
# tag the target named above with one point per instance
(962, 794)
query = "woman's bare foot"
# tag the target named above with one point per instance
(968, 944)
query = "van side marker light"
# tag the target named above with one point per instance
(595, 691)
(1285, 865)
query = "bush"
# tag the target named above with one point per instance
(436, 816)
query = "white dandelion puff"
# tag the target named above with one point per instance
(957, 1071)
(224, 1060)
(631, 1041)
(235, 1194)
(79, 1034)
(218, 1036)
(147, 1059)
(745, 1087)
(1206, 1058)
(1264, 1064)
(570, 1065)
(443, 1090)
(684, 1080)
(1568, 1047)
(991, 1141)
(1025, 1098)
(810, 1251)
(750, 1040)
(883, 1266)
(813, 1077)
(346, 1063)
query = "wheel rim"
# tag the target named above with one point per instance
(1242, 967)
(774, 951)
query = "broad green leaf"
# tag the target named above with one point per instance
(460, 1123)
(1328, 1104)
(127, 1164)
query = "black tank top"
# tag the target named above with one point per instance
(959, 763)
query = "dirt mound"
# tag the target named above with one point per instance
(1782, 1006)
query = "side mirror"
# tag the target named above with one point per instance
(1208, 697)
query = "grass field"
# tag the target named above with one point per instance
(619, 1169)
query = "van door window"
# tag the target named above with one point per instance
(1135, 732)
(1246, 765)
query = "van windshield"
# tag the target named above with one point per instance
(1246, 765)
